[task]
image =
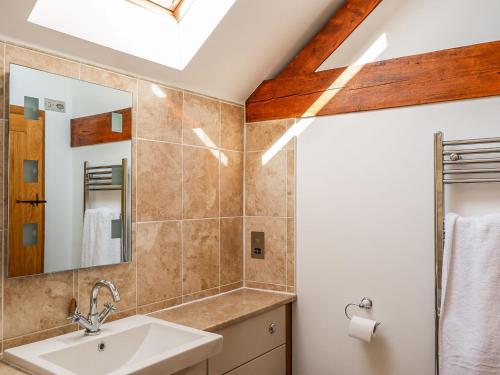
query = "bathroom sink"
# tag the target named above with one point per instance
(135, 345)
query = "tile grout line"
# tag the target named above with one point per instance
(182, 199)
(244, 210)
(77, 272)
(196, 219)
(135, 122)
(264, 283)
(294, 219)
(4, 174)
(286, 211)
(187, 144)
(219, 172)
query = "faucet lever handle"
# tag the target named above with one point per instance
(110, 306)
(75, 317)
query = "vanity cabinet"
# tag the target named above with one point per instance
(254, 346)
(199, 369)
(272, 363)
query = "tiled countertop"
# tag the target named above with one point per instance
(214, 313)
(6, 369)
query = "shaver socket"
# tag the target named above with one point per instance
(258, 245)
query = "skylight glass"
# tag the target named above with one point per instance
(121, 25)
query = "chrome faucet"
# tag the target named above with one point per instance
(93, 322)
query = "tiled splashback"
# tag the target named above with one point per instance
(187, 207)
(270, 204)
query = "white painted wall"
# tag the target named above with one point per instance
(419, 26)
(365, 211)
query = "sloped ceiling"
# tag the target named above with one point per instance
(252, 43)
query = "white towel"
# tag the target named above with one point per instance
(469, 328)
(98, 248)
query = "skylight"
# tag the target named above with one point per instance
(171, 38)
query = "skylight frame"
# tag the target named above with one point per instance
(176, 8)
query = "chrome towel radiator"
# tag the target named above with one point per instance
(109, 178)
(466, 161)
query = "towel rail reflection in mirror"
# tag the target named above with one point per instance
(478, 158)
(109, 178)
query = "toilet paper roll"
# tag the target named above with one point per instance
(362, 329)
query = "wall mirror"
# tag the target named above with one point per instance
(69, 157)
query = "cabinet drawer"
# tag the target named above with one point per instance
(272, 363)
(199, 369)
(248, 340)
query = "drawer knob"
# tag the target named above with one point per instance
(273, 328)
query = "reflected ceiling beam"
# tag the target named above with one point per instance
(345, 20)
(446, 75)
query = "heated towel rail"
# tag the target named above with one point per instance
(466, 161)
(109, 178)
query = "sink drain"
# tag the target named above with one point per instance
(101, 347)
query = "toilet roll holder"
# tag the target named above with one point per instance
(366, 303)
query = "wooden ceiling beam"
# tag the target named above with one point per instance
(339, 27)
(451, 74)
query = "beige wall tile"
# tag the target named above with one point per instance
(3, 177)
(133, 181)
(203, 294)
(290, 183)
(231, 184)
(146, 309)
(271, 269)
(3, 250)
(200, 241)
(229, 287)
(159, 186)
(290, 252)
(232, 127)
(262, 135)
(38, 60)
(122, 275)
(200, 182)
(293, 142)
(231, 250)
(121, 314)
(201, 121)
(275, 287)
(36, 303)
(108, 78)
(265, 185)
(159, 259)
(159, 113)
(2, 79)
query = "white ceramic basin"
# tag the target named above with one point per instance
(135, 345)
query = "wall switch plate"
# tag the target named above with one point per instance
(258, 245)
(55, 105)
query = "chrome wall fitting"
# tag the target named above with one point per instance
(365, 303)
